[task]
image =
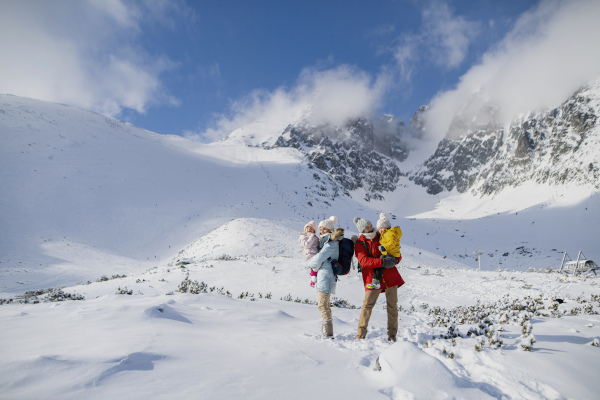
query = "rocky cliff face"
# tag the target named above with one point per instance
(360, 154)
(554, 147)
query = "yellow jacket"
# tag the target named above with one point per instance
(390, 239)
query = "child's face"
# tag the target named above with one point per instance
(309, 229)
(381, 230)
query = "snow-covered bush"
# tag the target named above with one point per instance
(527, 328)
(42, 296)
(124, 290)
(195, 287)
(479, 344)
(527, 343)
(246, 295)
(104, 278)
(341, 303)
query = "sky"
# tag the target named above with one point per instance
(201, 69)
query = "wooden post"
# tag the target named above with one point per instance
(563, 261)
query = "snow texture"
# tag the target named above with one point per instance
(124, 217)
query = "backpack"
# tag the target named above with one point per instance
(343, 264)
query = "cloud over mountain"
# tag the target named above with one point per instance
(549, 54)
(84, 53)
(319, 96)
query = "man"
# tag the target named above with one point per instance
(369, 257)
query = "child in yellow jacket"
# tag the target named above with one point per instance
(389, 240)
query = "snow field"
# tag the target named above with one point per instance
(210, 345)
(86, 196)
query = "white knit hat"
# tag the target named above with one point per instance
(329, 223)
(383, 222)
(361, 224)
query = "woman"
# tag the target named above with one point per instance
(369, 257)
(321, 263)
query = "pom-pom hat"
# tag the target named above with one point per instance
(329, 223)
(383, 222)
(361, 224)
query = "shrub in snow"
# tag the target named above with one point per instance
(596, 342)
(334, 302)
(42, 296)
(341, 303)
(479, 344)
(195, 287)
(452, 333)
(287, 298)
(104, 278)
(527, 328)
(124, 291)
(575, 310)
(246, 295)
(496, 340)
(527, 343)
(298, 300)
(589, 309)
(59, 295)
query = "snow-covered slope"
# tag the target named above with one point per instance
(216, 303)
(120, 195)
(85, 195)
(253, 330)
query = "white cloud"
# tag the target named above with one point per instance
(447, 37)
(332, 96)
(550, 53)
(443, 40)
(83, 53)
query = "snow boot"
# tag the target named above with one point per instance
(327, 328)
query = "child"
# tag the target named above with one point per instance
(310, 246)
(389, 240)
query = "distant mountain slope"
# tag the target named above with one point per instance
(554, 147)
(123, 195)
(366, 156)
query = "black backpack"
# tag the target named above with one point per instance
(343, 264)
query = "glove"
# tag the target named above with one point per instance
(388, 262)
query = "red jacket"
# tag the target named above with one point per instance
(368, 258)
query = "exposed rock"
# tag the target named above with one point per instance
(557, 146)
(354, 155)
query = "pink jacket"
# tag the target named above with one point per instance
(310, 244)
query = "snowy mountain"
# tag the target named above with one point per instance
(558, 147)
(140, 265)
(355, 155)
(123, 195)
(554, 147)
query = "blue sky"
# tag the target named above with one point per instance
(202, 68)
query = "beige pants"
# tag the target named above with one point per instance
(391, 296)
(325, 307)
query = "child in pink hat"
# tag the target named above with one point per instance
(309, 241)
